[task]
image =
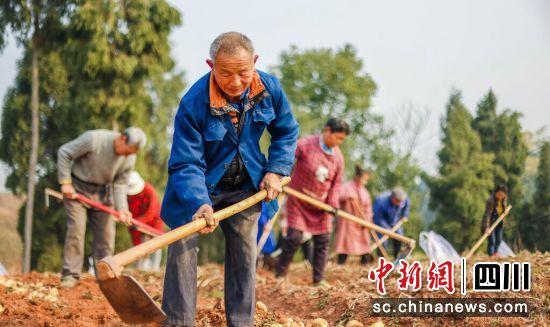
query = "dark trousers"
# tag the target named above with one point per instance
(495, 239)
(180, 281)
(365, 258)
(306, 248)
(293, 241)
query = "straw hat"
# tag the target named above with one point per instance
(136, 184)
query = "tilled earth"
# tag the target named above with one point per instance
(37, 300)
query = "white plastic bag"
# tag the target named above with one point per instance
(437, 248)
(3, 270)
(505, 251)
(91, 270)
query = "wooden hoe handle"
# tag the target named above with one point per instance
(321, 205)
(487, 233)
(142, 227)
(111, 267)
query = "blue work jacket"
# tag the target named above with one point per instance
(386, 214)
(205, 141)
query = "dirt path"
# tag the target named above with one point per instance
(36, 299)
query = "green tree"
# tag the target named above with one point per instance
(535, 223)
(485, 121)
(14, 142)
(118, 54)
(34, 23)
(501, 135)
(111, 70)
(465, 177)
(323, 83)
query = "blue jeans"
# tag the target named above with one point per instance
(495, 239)
(179, 299)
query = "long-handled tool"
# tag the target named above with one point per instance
(144, 228)
(130, 301)
(487, 233)
(409, 242)
(373, 253)
(377, 244)
(323, 206)
(357, 207)
(380, 242)
(269, 226)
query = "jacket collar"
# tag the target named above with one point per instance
(219, 104)
(324, 147)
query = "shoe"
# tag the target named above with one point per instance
(270, 263)
(322, 284)
(68, 281)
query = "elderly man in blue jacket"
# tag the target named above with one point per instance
(215, 162)
(389, 207)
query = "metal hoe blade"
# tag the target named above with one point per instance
(405, 252)
(130, 301)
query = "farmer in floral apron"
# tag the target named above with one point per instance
(351, 238)
(318, 173)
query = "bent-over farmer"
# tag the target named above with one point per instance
(144, 205)
(352, 238)
(389, 208)
(216, 161)
(92, 164)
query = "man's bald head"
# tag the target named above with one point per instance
(230, 43)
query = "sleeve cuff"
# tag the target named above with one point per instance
(279, 170)
(65, 181)
(121, 206)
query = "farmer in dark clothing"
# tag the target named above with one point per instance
(215, 162)
(495, 207)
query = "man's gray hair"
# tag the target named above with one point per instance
(399, 193)
(135, 136)
(230, 43)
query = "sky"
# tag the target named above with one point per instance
(416, 51)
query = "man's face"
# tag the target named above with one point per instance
(122, 148)
(333, 139)
(395, 201)
(233, 72)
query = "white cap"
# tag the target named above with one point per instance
(399, 193)
(135, 136)
(136, 184)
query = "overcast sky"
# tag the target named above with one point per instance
(416, 51)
